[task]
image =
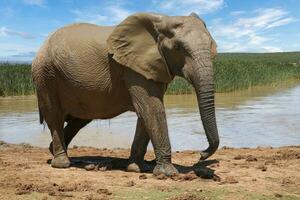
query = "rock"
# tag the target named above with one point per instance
(161, 177)
(239, 157)
(89, 167)
(176, 177)
(104, 191)
(190, 176)
(230, 180)
(143, 176)
(251, 158)
(262, 167)
(278, 195)
(130, 184)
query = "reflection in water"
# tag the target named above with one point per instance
(261, 117)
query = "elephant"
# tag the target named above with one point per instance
(85, 71)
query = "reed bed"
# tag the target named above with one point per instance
(15, 79)
(233, 71)
(238, 71)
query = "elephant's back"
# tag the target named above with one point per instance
(79, 54)
(83, 32)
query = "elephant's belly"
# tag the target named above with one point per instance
(95, 104)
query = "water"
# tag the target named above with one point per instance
(265, 116)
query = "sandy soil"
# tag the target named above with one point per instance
(260, 173)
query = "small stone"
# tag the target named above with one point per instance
(239, 157)
(177, 177)
(104, 191)
(143, 176)
(254, 179)
(89, 167)
(278, 195)
(130, 184)
(161, 177)
(262, 167)
(251, 159)
(190, 176)
(230, 180)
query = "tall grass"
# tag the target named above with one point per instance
(233, 71)
(15, 79)
(237, 71)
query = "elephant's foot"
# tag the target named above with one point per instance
(134, 167)
(166, 169)
(60, 161)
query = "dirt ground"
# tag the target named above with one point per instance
(260, 173)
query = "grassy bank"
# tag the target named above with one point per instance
(237, 71)
(233, 71)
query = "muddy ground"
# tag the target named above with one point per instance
(260, 173)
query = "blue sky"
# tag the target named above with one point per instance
(236, 25)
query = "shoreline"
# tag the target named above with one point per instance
(231, 173)
(293, 82)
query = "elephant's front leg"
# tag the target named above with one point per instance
(138, 148)
(146, 97)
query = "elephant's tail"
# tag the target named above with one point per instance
(39, 107)
(41, 117)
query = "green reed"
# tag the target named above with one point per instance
(233, 71)
(15, 79)
(237, 71)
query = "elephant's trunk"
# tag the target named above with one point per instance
(202, 80)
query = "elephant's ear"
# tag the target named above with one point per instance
(133, 44)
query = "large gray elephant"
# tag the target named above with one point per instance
(84, 72)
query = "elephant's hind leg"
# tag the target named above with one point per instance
(138, 148)
(72, 128)
(55, 120)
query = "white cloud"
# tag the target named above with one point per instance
(7, 32)
(109, 15)
(90, 17)
(281, 22)
(237, 13)
(272, 49)
(250, 31)
(17, 52)
(185, 7)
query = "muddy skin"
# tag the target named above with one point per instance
(84, 72)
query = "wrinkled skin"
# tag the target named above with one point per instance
(85, 72)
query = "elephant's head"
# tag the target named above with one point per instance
(160, 47)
